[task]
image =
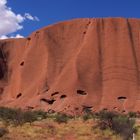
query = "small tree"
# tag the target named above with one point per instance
(119, 123)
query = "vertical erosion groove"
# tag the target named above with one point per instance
(99, 32)
(133, 51)
(3, 64)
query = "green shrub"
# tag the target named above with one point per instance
(86, 117)
(124, 126)
(132, 114)
(106, 115)
(40, 114)
(18, 117)
(119, 123)
(29, 116)
(62, 118)
(10, 115)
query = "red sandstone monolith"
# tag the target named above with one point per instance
(74, 65)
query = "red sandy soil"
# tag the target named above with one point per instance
(82, 63)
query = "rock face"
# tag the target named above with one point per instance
(82, 63)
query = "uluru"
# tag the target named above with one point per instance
(81, 63)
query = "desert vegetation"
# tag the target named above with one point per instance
(122, 124)
(104, 125)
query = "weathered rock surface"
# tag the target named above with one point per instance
(82, 63)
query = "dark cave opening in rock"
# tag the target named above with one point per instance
(81, 92)
(63, 96)
(48, 101)
(22, 63)
(121, 98)
(19, 95)
(55, 93)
